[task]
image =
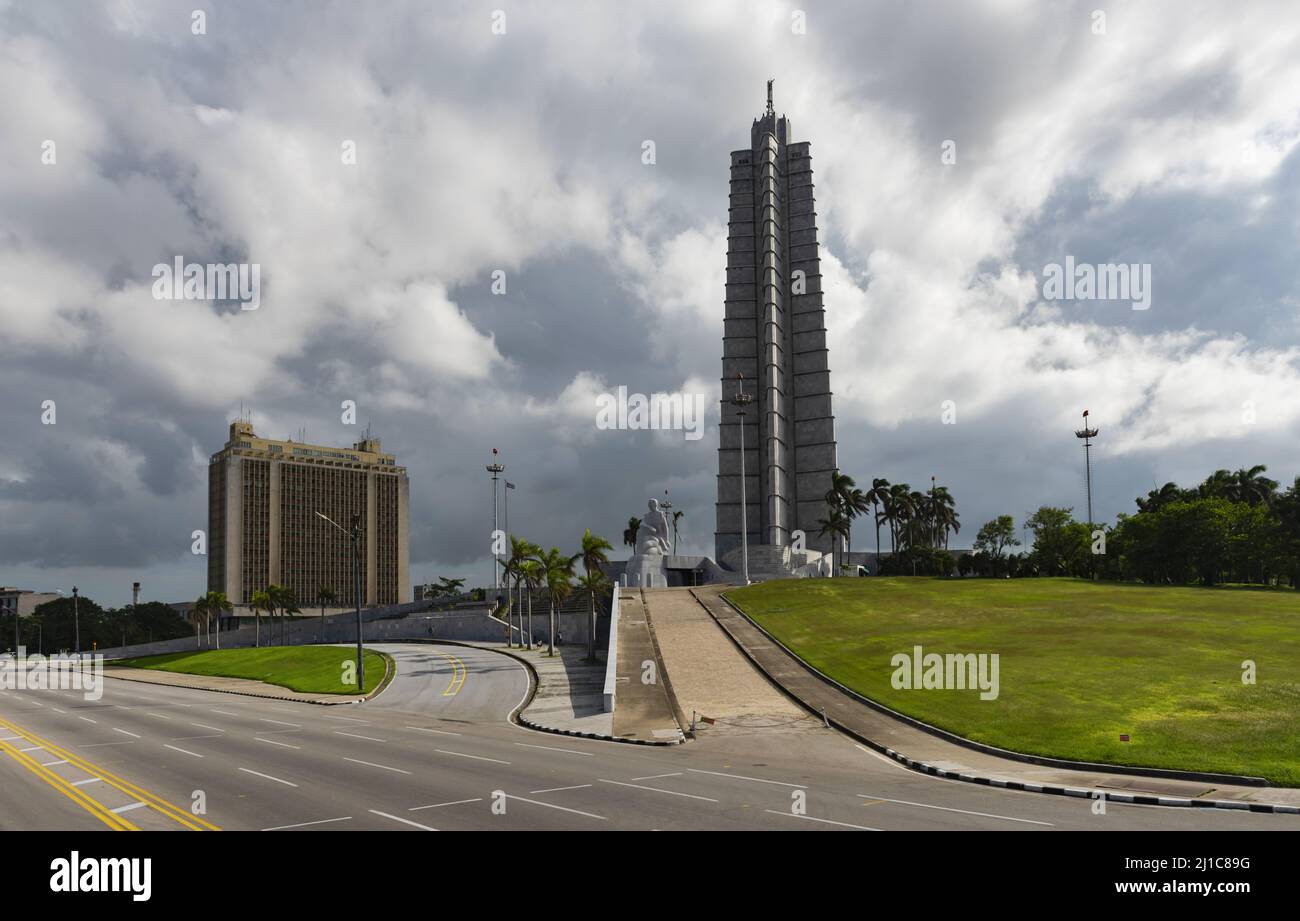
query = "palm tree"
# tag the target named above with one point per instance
(199, 614)
(897, 510)
(520, 552)
(324, 596)
(283, 601)
(259, 602)
(629, 535)
(836, 525)
(593, 556)
(1252, 488)
(533, 575)
(216, 603)
(558, 573)
(677, 515)
(877, 495)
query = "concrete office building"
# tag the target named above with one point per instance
(23, 601)
(775, 336)
(263, 496)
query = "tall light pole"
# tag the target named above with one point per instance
(1087, 434)
(496, 469)
(740, 401)
(355, 535)
(76, 621)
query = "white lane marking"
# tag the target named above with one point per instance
(987, 815)
(10, 738)
(268, 777)
(87, 719)
(280, 722)
(181, 750)
(441, 732)
(657, 776)
(382, 766)
(537, 802)
(342, 818)
(274, 742)
(222, 712)
(34, 748)
(657, 790)
(210, 735)
(778, 783)
(127, 808)
(35, 703)
(442, 751)
(57, 710)
(82, 783)
(812, 818)
(402, 820)
(477, 799)
(206, 726)
(101, 744)
(125, 733)
(353, 735)
(348, 719)
(580, 786)
(158, 716)
(552, 748)
(52, 763)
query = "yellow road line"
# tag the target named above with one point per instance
(116, 823)
(458, 672)
(157, 803)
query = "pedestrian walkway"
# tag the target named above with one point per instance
(643, 706)
(925, 748)
(570, 690)
(711, 679)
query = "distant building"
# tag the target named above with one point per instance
(23, 600)
(263, 496)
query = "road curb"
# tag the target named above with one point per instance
(980, 780)
(389, 670)
(519, 718)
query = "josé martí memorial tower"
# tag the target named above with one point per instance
(774, 347)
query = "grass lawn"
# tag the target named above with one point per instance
(1080, 663)
(309, 669)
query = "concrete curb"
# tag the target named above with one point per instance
(389, 670)
(519, 718)
(925, 768)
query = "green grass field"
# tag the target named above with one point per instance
(309, 669)
(1080, 663)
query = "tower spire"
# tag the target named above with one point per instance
(770, 110)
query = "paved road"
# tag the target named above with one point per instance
(419, 757)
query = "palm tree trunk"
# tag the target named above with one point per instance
(530, 618)
(591, 630)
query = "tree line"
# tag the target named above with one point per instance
(1235, 526)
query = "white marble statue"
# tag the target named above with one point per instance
(652, 535)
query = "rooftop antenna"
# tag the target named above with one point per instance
(770, 110)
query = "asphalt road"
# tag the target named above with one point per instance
(435, 752)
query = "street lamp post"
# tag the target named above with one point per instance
(355, 535)
(1087, 433)
(740, 401)
(76, 621)
(496, 469)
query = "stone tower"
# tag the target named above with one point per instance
(774, 335)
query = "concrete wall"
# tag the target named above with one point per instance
(399, 622)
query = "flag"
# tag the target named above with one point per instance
(509, 485)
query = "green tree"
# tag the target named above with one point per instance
(594, 555)
(995, 536)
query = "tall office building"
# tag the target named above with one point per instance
(775, 336)
(263, 496)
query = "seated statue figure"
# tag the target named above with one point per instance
(652, 535)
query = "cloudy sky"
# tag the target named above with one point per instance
(1164, 134)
